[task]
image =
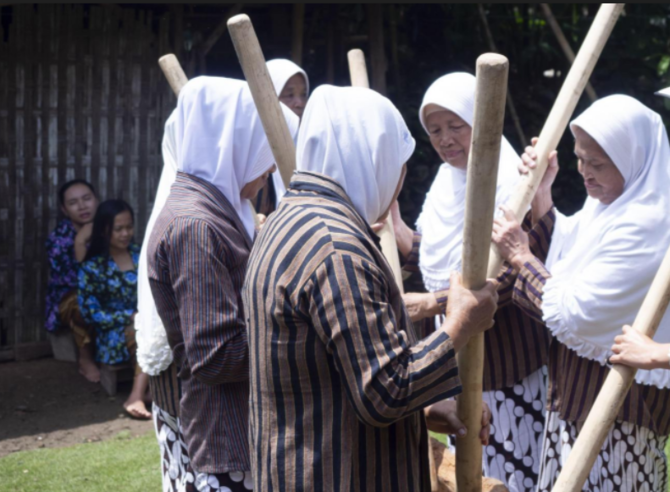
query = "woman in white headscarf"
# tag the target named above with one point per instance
(292, 86)
(516, 348)
(196, 261)
(339, 376)
(601, 263)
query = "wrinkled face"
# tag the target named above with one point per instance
(122, 231)
(602, 179)
(252, 188)
(294, 94)
(450, 137)
(79, 204)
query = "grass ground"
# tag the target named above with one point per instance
(121, 463)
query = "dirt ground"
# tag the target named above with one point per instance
(45, 403)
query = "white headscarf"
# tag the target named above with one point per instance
(280, 71)
(664, 92)
(604, 258)
(442, 218)
(358, 138)
(220, 138)
(153, 352)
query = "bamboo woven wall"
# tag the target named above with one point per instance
(81, 95)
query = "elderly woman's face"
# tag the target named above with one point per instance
(294, 94)
(450, 137)
(602, 178)
(251, 189)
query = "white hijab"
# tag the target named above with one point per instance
(604, 258)
(280, 71)
(153, 352)
(220, 138)
(442, 218)
(358, 138)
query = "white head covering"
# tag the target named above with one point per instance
(358, 138)
(220, 138)
(604, 258)
(153, 352)
(280, 71)
(664, 92)
(442, 218)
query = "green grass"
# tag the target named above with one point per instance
(121, 463)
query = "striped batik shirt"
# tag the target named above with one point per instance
(197, 258)
(574, 381)
(518, 344)
(338, 376)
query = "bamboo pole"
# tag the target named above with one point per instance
(359, 78)
(565, 46)
(482, 176)
(560, 113)
(256, 72)
(614, 390)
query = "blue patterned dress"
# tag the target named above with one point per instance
(63, 270)
(107, 300)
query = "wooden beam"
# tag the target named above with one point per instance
(565, 46)
(219, 30)
(298, 30)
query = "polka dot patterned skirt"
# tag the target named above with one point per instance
(517, 427)
(632, 458)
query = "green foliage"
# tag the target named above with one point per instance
(122, 463)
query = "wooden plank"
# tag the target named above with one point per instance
(112, 99)
(13, 332)
(32, 350)
(5, 196)
(78, 67)
(145, 99)
(377, 56)
(124, 186)
(96, 26)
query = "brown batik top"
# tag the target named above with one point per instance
(338, 375)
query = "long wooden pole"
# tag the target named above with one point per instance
(480, 194)
(565, 46)
(359, 78)
(256, 72)
(614, 390)
(560, 113)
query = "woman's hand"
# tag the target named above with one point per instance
(404, 235)
(636, 349)
(420, 306)
(542, 201)
(442, 417)
(511, 240)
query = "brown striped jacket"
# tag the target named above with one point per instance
(338, 376)
(518, 344)
(197, 257)
(574, 381)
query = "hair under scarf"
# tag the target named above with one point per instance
(220, 138)
(153, 351)
(358, 138)
(604, 258)
(281, 70)
(443, 215)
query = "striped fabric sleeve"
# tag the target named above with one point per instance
(529, 287)
(386, 377)
(411, 263)
(215, 341)
(539, 236)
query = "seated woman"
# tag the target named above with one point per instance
(66, 247)
(600, 265)
(108, 293)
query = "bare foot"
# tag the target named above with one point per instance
(136, 409)
(89, 370)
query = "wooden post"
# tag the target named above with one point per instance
(480, 195)
(377, 54)
(173, 72)
(565, 46)
(560, 114)
(510, 101)
(298, 32)
(613, 392)
(256, 72)
(359, 78)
